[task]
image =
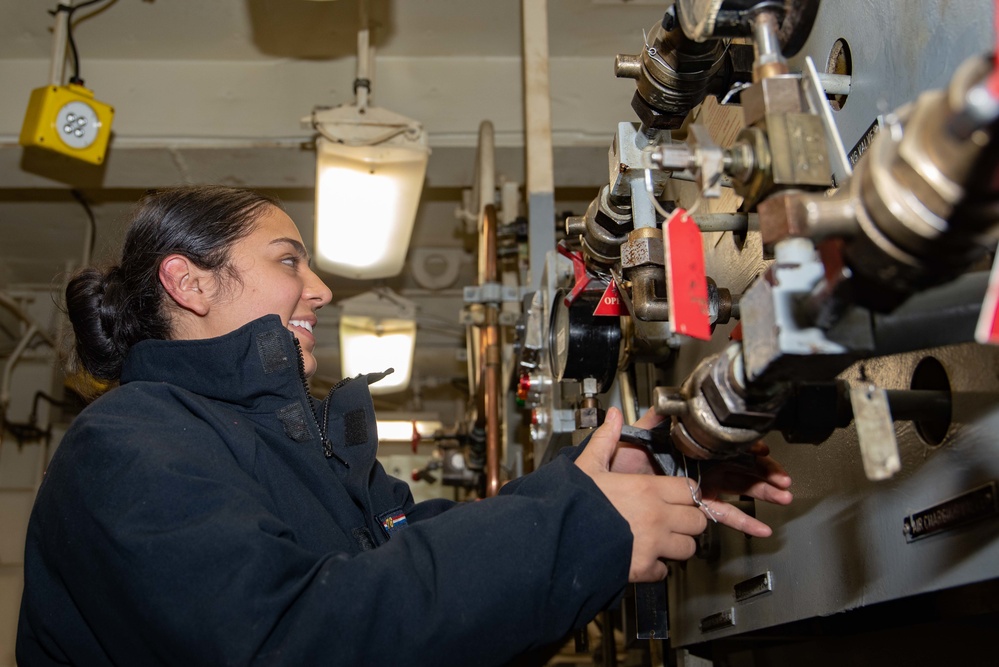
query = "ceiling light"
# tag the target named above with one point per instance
(378, 332)
(370, 166)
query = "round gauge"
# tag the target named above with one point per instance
(583, 345)
(77, 125)
(559, 336)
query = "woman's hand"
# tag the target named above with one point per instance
(662, 511)
(759, 477)
(659, 510)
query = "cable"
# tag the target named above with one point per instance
(69, 33)
(91, 238)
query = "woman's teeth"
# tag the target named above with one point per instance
(302, 324)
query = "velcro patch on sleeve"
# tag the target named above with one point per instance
(355, 428)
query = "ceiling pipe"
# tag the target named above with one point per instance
(538, 139)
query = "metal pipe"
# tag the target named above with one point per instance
(60, 36)
(649, 306)
(944, 315)
(483, 193)
(8, 368)
(538, 136)
(490, 354)
(6, 300)
(769, 61)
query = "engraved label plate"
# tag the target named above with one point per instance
(719, 621)
(865, 142)
(966, 508)
(758, 585)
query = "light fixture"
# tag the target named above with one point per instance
(370, 166)
(396, 427)
(378, 332)
(66, 118)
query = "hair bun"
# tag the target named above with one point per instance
(89, 309)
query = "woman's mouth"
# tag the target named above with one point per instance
(301, 324)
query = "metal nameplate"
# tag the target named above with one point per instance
(865, 142)
(966, 508)
(758, 585)
(719, 621)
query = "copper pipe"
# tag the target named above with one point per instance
(489, 348)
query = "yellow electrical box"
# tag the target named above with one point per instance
(68, 120)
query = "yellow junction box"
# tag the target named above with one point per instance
(68, 120)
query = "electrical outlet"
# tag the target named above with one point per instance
(68, 120)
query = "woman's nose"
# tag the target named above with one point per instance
(316, 290)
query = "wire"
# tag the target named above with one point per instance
(88, 244)
(69, 33)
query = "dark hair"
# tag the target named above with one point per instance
(113, 310)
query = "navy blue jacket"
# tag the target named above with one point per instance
(209, 512)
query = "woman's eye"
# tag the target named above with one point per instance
(290, 261)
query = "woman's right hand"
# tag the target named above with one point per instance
(660, 510)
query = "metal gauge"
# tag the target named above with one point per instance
(582, 345)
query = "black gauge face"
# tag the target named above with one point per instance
(580, 344)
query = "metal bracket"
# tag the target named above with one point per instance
(875, 431)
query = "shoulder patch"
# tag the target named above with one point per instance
(393, 522)
(273, 351)
(293, 419)
(355, 428)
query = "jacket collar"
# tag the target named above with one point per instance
(248, 367)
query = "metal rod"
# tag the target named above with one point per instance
(919, 404)
(944, 315)
(60, 36)
(489, 353)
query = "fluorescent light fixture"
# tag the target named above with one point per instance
(366, 203)
(378, 332)
(370, 166)
(402, 431)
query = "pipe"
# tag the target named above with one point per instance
(649, 306)
(944, 315)
(489, 353)
(485, 187)
(60, 35)
(538, 136)
(8, 368)
(7, 301)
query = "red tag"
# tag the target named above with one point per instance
(987, 331)
(686, 282)
(610, 303)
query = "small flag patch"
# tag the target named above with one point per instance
(393, 521)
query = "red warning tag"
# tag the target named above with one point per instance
(610, 303)
(686, 282)
(987, 331)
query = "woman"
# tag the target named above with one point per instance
(209, 512)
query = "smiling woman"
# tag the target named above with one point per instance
(274, 277)
(209, 511)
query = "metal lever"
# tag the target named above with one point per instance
(658, 443)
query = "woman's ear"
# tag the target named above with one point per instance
(185, 283)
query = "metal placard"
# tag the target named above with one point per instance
(975, 505)
(865, 142)
(750, 588)
(721, 620)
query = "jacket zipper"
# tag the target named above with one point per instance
(322, 425)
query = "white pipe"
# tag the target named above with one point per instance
(8, 368)
(7, 301)
(364, 56)
(60, 36)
